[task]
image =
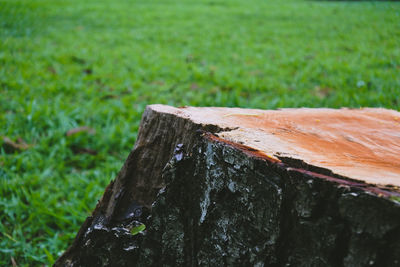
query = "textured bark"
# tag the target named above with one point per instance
(207, 201)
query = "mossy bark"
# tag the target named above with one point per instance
(220, 207)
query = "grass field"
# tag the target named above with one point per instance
(65, 64)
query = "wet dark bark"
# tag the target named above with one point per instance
(215, 203)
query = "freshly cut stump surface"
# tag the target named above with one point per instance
(235, 187)
(362, 144)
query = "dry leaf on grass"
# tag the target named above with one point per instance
(10, 146)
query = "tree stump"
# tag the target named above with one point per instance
(246, 187)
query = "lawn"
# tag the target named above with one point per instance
(66, 64)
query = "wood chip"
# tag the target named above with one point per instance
(86, 129)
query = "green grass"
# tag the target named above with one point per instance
(65, 64)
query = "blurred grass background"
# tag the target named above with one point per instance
(67, 64)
